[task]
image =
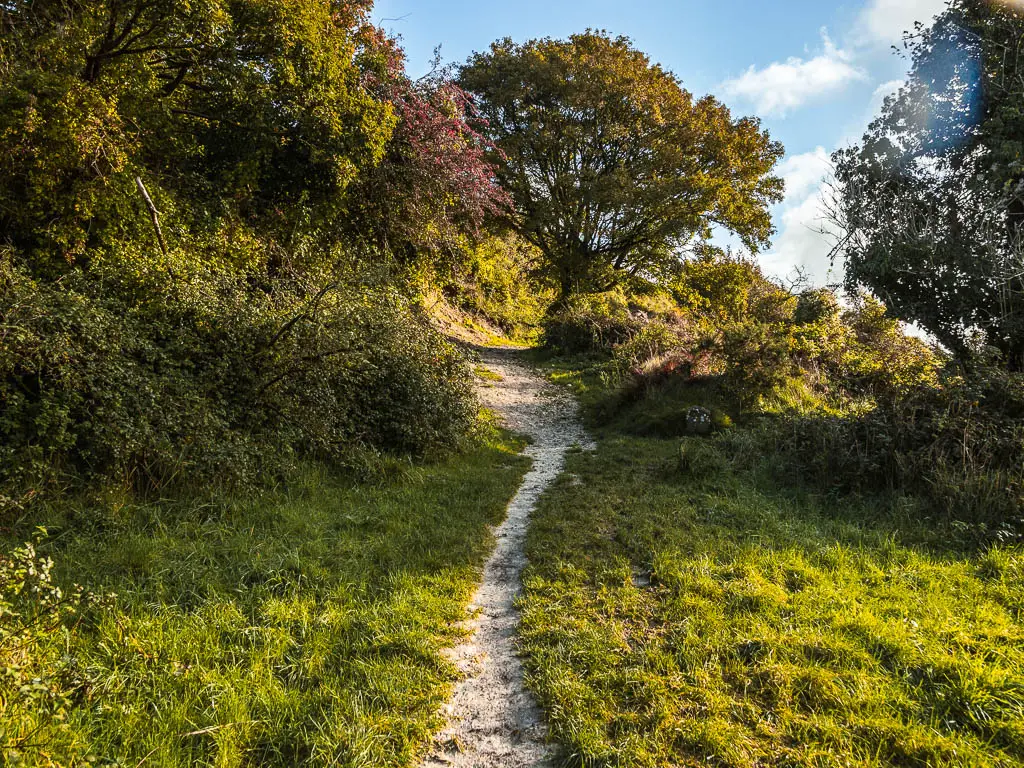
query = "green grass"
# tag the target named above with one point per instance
(684, 608)
(303, 628)
(486, 374)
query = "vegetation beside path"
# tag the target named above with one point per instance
(687, 605)
(230, 231)
(303, 628)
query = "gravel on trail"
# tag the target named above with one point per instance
(493, 721)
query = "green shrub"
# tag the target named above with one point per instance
(39, 683)
(591, 325)
(960, 447)
(173, 201)
(758, 359)
(213, 377)
(863, 351)
(724, 288)
(499, 283)
(774, 351)
(816, 305)
(650, 344)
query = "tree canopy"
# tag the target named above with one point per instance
(256, 112)
(246, 120)
(614, 168)
(931, 203)
(201, 205)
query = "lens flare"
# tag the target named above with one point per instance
(947, 103)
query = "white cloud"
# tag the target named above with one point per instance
(801, 243)
(782, 86)
(803, 173)
(805, 236)
(884, 21)
(884, 89)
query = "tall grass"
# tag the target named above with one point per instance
(305, 627)
(697, 615)
(703, 604)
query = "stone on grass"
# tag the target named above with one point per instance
(698, 421)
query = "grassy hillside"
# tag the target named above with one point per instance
(245, 493)
(686, 604)
(302, 627)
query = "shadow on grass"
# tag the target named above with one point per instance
(304, 625)
(690, 600)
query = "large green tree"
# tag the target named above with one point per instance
(242, 118)
(931, 203)
(614, 168)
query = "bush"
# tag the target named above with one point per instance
(499, 283)
(39, 682)
(591, 325)
(170, 208)
(650, 344)
(959, 446)
(213, 378)
(818, 305)
(758, 359)
(863, 351)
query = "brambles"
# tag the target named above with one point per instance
(958, 446)
(593, 325)
(857, 405)
(725, 320)
(216, 382)
(211, 215)
(40, 683)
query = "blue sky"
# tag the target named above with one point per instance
(814, 71)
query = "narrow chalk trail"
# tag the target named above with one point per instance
(493, 721)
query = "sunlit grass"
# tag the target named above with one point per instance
(683, 608)
(486, 374)
(305, 628)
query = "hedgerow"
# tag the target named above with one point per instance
(210, 214)
(212, 378)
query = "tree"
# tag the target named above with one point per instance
(434, 185)
(614, 168)
(246, 119)
(931, 203)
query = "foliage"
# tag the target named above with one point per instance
(723, 288)
(959, 446)
(878, 358)
(612, 165)
(306, 626)
(499, 282)
(650, 344)
(434, 186)
(37, 682)
(246, 116)
(591, 324)
(727, 320)
(932, 202)
(209, 379)
(202, 204)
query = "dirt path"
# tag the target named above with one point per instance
(493, 721)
